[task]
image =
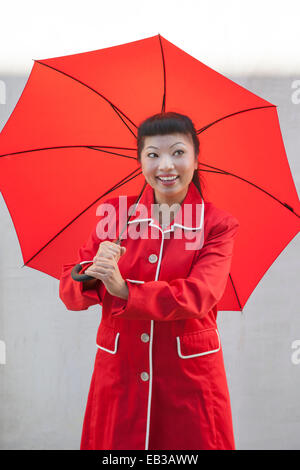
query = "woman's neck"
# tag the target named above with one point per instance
(165, 200)
(163, 214)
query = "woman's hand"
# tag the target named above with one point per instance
(107, 248)
(105, 267)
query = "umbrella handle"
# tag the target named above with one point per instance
(79, 277)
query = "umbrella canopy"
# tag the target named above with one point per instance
(71, 140)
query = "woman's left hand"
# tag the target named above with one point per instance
(107, 270)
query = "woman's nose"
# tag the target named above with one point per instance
(166, 163)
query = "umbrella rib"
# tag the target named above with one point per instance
(224, 172)
(235, 292)
(123, 181)
(230, 115)
(164, 69)
(100, 149)
(92, 147)
(114, 107)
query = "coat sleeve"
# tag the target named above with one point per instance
(72, 292)
(192, 297)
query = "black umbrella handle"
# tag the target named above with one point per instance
(79, 277)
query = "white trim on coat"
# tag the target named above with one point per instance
(109, 350)
(150, 347)
(152, 224)
(198, 354)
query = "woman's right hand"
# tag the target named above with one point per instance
(106, 249)
(109, 249)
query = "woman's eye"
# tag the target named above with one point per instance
(155, 154)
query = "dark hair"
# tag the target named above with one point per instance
(169, 123)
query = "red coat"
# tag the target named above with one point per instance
(159, 381)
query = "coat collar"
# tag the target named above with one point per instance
(189, 217)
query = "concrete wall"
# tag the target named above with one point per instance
(47, 352)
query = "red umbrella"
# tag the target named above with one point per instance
(71, 140)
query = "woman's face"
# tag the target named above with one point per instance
(171, 156)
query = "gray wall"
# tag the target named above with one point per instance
(49, 351)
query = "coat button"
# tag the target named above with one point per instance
(144, 376)
(145, 337)
(152, 258)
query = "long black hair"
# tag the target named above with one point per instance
(170, 123)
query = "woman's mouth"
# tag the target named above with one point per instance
(167, 180)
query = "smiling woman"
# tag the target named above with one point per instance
(159, 381)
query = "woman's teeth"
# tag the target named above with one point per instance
(167, 178)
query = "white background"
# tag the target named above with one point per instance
(257, 36)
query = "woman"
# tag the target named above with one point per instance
(159, 380)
